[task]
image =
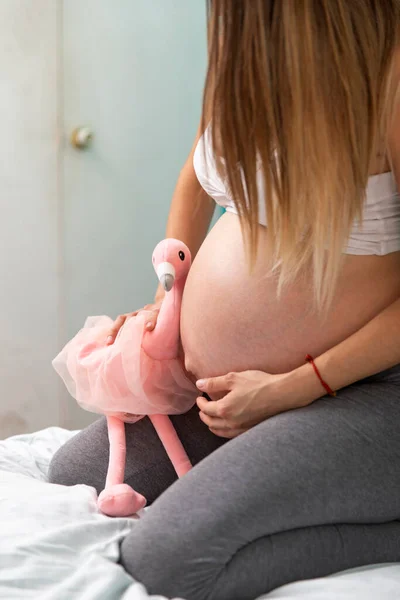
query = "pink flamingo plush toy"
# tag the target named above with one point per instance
(139, 375)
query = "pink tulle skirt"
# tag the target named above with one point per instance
(121, 380)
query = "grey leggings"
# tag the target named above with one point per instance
(302, 495)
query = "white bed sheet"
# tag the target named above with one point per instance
(54, 545)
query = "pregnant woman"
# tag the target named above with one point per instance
(291, 313)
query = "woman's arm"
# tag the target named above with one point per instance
(191, 210)
(189, 218)
(373, 348)
(376, 346)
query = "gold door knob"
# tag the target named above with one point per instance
(81, 137)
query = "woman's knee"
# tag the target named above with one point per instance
(183, 544)
(83, 459)
(169, 563)
(61, 470)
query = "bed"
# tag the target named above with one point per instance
(54, 545)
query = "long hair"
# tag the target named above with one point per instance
(301, 90)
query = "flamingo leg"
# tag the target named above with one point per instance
(117, 456)
(172, 444)
(118, 499)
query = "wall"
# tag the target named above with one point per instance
(76, 228)
(133, 71)
(29, 214)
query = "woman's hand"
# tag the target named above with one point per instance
(152, 309)
(242, 400)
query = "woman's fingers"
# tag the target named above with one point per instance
(112, 334)
(214, 422)
(211, 408)
(221, 427)
(151, 318)
(221, 409)
(213, 385)
(118, 323)
(151, 310)
(229, 434)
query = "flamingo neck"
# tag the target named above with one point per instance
(163, 342)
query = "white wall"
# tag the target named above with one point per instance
(77, 228)
(29, 214)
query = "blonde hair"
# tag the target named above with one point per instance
(302, 90)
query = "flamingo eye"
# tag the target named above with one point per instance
(181, 255)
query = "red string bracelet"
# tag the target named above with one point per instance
(328, 389)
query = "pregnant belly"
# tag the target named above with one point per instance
(233, 321)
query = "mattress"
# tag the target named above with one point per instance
(54, 544)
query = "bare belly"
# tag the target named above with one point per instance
(233, 321)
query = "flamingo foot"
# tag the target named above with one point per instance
(120, 501)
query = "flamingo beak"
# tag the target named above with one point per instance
(166, 275)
